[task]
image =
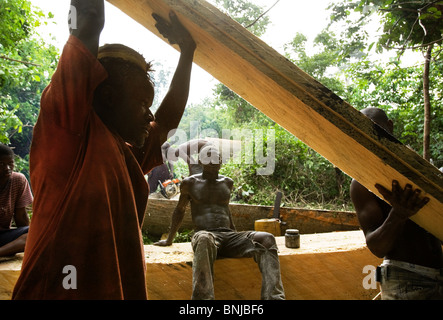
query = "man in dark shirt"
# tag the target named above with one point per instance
(413, 260)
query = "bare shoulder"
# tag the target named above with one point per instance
(358, 190)
(189, 181)
(226, 180)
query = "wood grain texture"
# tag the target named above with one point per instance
(298, 102)
(327, 266)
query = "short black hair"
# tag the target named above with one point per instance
(6, 150)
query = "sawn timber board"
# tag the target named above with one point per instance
(298, 102)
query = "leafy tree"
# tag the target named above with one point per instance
(415, 25)
(248, 14)
(323, 64)
(398, 90)
(26, 64)
(304, 176)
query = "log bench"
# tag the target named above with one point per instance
(327, 266)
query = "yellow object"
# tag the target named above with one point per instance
(268, 225)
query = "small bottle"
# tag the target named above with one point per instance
(292, 238)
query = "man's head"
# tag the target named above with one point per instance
(379, 117)
(123, 100)
(209, 158)
(6, 163)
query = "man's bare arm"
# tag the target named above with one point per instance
(177, 216)
(21, 217)
(381, 233)
(185, 150)
(173, 105)
(90, 20)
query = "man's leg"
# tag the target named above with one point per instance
(13, 241)
(262, 247)
(205, 253)
(269, 265)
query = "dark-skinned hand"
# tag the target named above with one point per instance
(174, 31)
(405, 202)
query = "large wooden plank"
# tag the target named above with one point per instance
(337, 259)
(298, 102)
(327, 266)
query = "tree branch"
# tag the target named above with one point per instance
(20, 61)
(415, 47)
(260, 16)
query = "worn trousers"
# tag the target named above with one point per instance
(208, 245)
(406, 281)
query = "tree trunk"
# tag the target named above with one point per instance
(427, 104)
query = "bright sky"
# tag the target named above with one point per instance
(287, 18)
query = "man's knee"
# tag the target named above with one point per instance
(266, 239)
(203, 238)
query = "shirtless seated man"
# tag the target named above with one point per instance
(209, 195)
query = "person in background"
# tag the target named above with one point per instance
(162, 172)
(15, 197)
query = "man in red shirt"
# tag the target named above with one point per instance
(15, 196)
(94, 140)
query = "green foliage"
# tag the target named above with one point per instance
(414, 25)
(184, 236)
(403, 23)
(398, 91)
(26, 64)
(246, 13)
(305, 178)
(236, 110)
(322, 64)
(338, 58)
(8, 121)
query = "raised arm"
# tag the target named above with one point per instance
(87, 19)
(185, 150)
(173, 105)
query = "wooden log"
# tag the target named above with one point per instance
(327, 266)
(159, 214)
(298, 102)
(9, 272)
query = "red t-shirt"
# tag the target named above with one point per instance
(90, 194)
(15, 195)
